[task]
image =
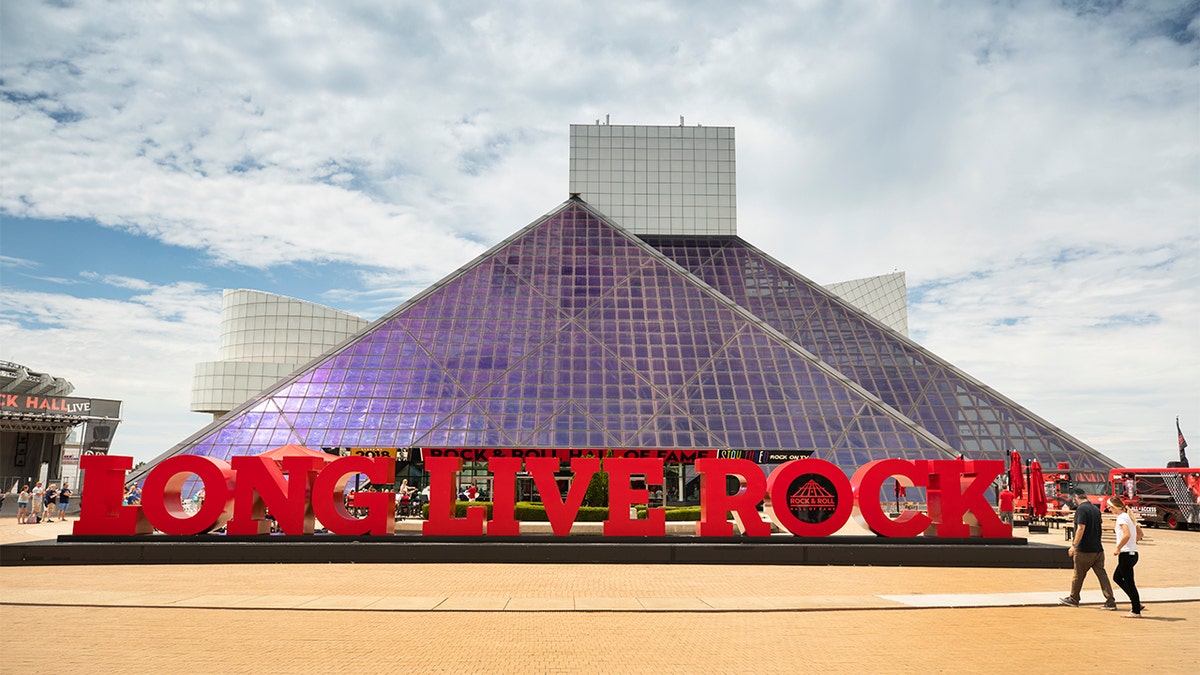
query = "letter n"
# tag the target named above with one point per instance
(261, 485)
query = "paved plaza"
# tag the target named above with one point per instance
(468, 618)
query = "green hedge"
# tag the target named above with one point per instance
(674, 513)
(536, 513)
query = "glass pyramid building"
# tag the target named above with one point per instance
(574, 333)
(658, 328)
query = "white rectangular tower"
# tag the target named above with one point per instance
(657, 179)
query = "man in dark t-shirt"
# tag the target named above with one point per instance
(64, 500)
(50, 502)
(1087, 550)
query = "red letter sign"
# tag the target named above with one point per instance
(868, 511)
(715, 503)
(262, 485)
(329, 491)
(811, 486)
(161, 494)
(441, 502)
(504, 497)
(621, 496)
(100, 509)
(957, 498)
(560, 513)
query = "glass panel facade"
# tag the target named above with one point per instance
(574, 334)
(970, 417)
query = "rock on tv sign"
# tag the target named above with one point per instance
(807, 497)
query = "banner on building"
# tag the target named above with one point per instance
(59, 405)
(97, 436)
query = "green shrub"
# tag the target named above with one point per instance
(597, 490)
(673, 513)
(460, 509)
(530, 512)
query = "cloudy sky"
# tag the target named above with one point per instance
(1033, 167)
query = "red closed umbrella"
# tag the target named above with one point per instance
(1016, 476)
(1037, 491)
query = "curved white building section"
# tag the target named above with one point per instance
(264, 337)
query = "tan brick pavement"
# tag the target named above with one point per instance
(381, 618)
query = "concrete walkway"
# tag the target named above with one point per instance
(656, 619)
(441, 603)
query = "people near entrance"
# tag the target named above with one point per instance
(472, 492)
(407, 502)
(64, 500)
(1007, 501)
(35, 500)
(1087, 551)
(50, 502)
(23, 510)
(1127, 533)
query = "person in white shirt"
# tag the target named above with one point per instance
(36, 500)
(1127, 533)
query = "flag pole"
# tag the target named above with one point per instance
(1183, 460)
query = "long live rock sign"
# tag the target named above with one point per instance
(299, 490)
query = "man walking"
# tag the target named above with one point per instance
(1087, 550)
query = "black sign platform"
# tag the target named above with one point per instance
(323, 548)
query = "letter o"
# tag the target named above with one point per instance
(162, 501)
(778, 510)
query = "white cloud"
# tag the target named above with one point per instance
(119, 281)
(140, 351)
(1100, 342)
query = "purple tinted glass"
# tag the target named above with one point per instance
(575, 335)
(901, 373)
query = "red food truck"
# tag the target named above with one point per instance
(1161, 497)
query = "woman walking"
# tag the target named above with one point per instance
(1127, 533)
